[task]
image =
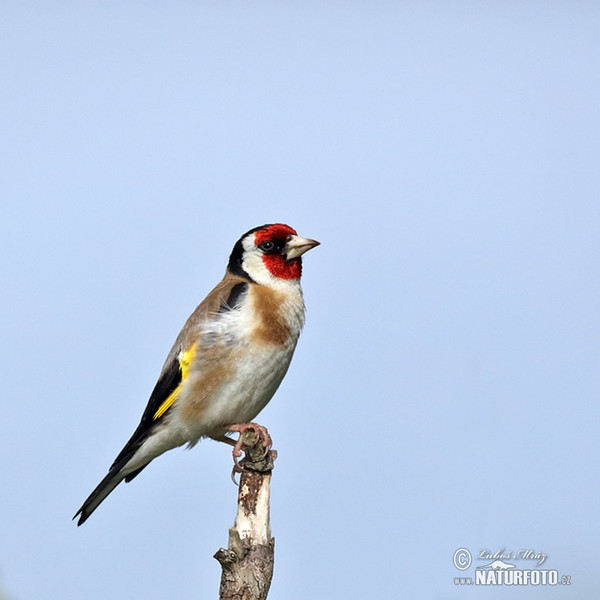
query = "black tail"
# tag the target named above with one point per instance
(103, 489)
(115, 474)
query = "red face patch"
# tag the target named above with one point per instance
(277, 265)
(284, 269)
(277, 232)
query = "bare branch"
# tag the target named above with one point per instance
(247, 563)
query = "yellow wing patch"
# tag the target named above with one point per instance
(185, 360)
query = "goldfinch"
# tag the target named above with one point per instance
(227, 361)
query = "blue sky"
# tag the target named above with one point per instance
(444, 393)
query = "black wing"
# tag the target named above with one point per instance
(165, 386)
(167, 383)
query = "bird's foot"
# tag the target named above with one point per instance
(252, 460)
(242, 428)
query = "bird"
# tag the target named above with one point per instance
(228, 360)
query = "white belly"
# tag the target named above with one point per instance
(245, 394)
(255, 366)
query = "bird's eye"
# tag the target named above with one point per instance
(267, 245)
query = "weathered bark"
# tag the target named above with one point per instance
(247, 564)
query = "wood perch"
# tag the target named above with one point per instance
(247, 563)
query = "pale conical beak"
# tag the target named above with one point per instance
(296, 246)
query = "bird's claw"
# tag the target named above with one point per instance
(237, 468)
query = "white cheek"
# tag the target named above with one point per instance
(255, 267)
(253, 264)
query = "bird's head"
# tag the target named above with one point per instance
(269, 253)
